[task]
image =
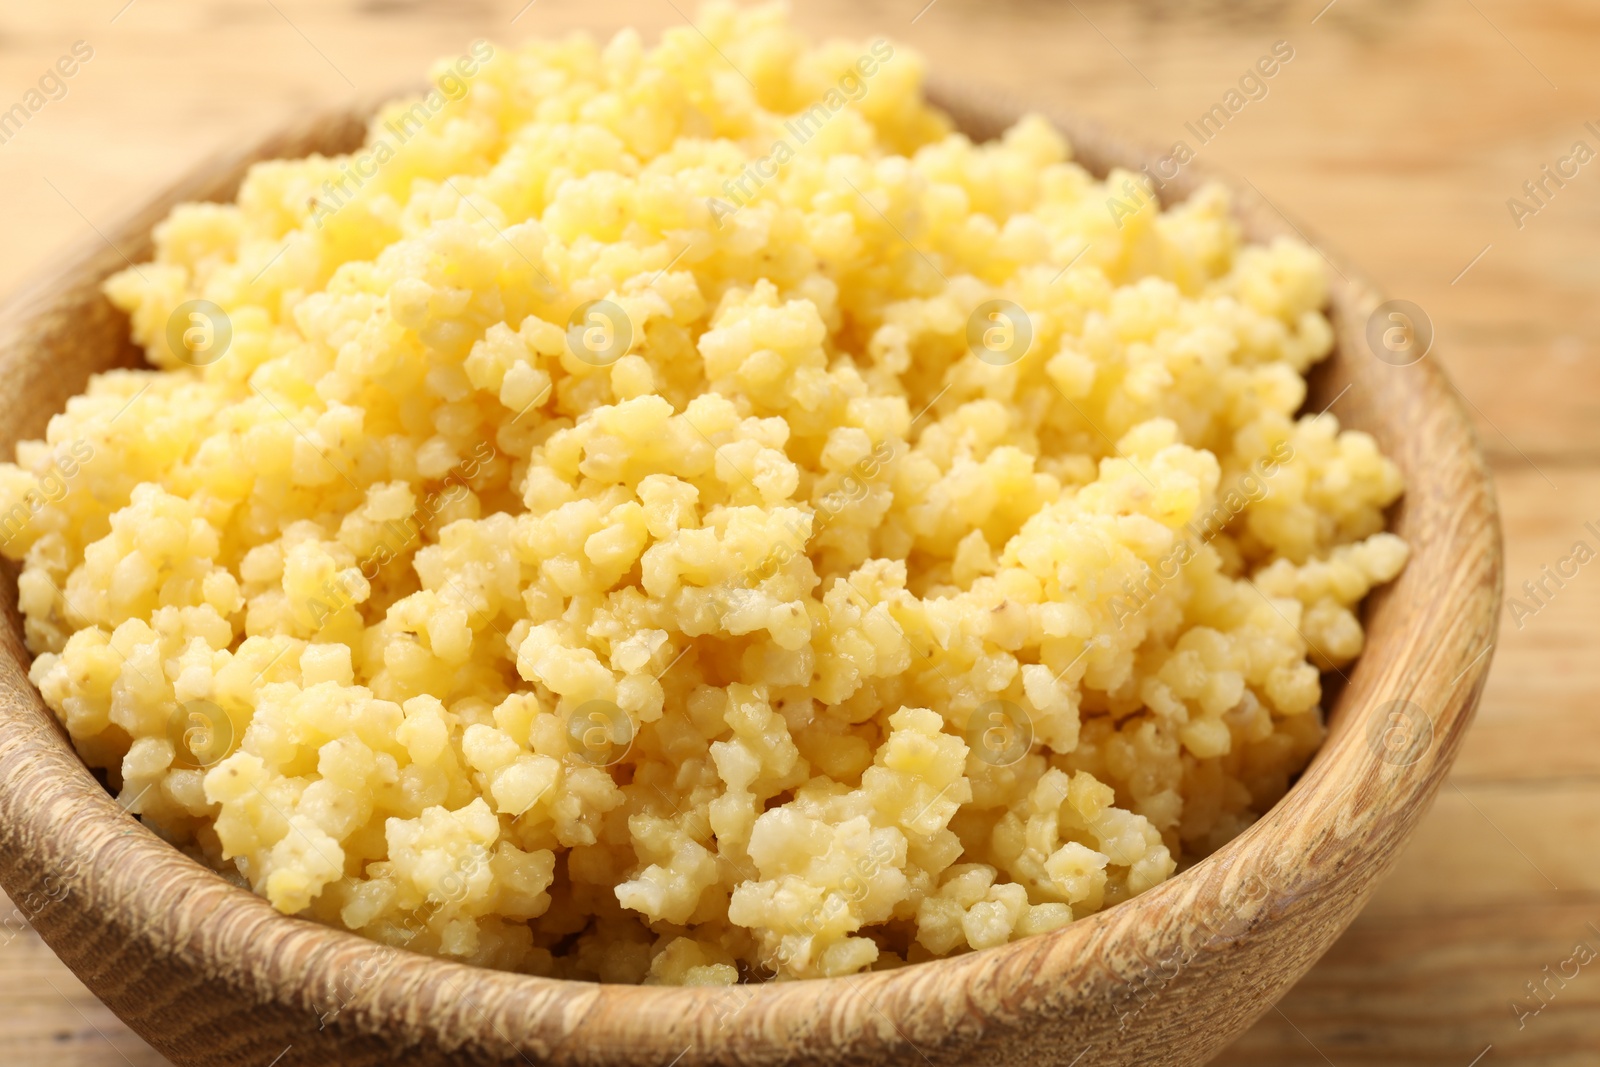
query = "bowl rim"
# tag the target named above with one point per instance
(168, 906)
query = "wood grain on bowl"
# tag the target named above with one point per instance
(210, 974)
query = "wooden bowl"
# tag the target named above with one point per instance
(210, 974)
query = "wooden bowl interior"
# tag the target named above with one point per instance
(210, 974)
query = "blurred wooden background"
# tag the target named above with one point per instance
(1398, 133)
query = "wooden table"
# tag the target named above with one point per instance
(1398, 132)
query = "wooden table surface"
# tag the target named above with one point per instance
(1398, 133)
